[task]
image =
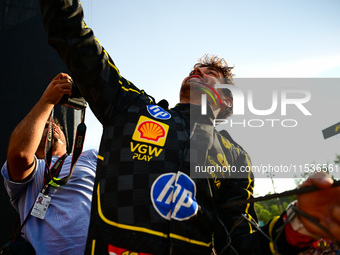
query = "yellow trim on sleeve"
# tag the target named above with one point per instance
(271, 226)
(247, 210)
(93, 246)
(111, 64)
(133, 90)
(100, 157)
(249, 174)
(185, 239)
(249, 193)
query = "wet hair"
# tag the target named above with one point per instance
(221, 65)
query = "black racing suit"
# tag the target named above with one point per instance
(144, 200)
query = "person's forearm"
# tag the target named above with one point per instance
(25, 140)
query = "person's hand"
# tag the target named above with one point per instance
(58, 87)
(323, 205)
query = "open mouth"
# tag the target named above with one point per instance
(203, 82)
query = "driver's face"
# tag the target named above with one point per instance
(207, 76)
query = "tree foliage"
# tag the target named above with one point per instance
(266, 210)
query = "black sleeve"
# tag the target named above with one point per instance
(91, 67)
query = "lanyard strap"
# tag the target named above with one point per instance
(51, 174)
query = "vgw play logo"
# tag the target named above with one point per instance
(280, 99)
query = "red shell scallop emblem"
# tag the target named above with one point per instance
(151, 131)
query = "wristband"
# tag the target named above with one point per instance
(295, 222)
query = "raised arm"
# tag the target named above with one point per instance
(26, 137)
(92, 69)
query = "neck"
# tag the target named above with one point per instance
(193, 99)
(215, 110)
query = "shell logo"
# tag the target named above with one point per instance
(151, 131)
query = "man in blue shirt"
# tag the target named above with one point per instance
(59, 221)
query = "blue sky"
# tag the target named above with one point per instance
(155, 44)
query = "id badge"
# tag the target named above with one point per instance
(40, 206)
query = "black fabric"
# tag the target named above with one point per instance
(17, 246)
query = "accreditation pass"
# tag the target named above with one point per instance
(40, 206)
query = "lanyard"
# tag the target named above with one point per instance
(52, 173)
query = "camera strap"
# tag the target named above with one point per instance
(52, 173)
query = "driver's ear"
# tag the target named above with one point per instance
(229, 102)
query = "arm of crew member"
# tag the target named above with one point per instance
(324, 205)
(92, 68)
(27, 136)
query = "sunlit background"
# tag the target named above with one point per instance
(155, 44)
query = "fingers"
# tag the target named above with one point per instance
(62, 79)
(334, 222)
(56, 129)
(62, 83)
(323, 205)
(59, 86)
(320, 179)
(62, 76)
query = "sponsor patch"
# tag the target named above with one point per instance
(144, 152)
(173, 196)
(150, 131)
(158, 112)
(113, 250)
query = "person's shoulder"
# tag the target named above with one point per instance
(39, 166)
(4, 171)
(92, 153)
